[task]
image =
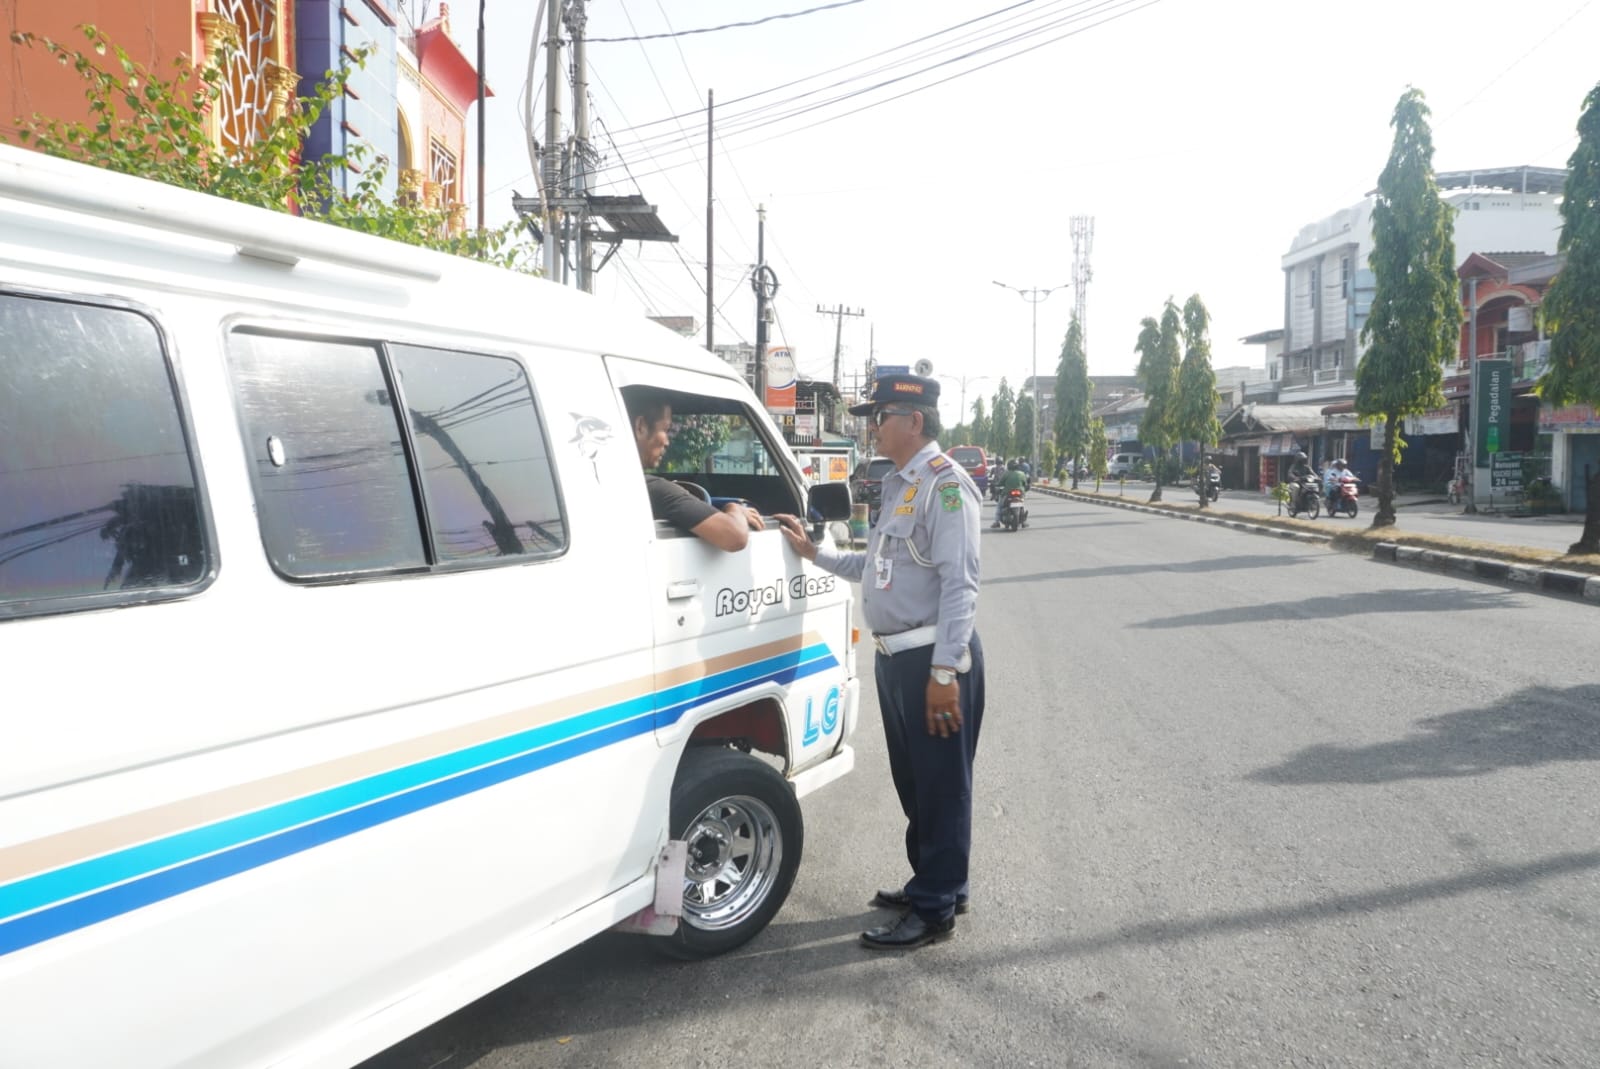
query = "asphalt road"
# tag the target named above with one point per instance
(1198, 843)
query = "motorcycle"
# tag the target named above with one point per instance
(1344, 503)
(1012, 513)
(1211, 487)
(1306, 497)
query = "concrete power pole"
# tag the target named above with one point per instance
(765, 282)
(1082, 243)
(838, 333)
(711, 255)
(553, 185)
(577, 19)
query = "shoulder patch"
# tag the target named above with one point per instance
(937, 461)
(950, 497)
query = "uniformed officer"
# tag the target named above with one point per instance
(920, 590)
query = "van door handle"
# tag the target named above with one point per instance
(682, 588)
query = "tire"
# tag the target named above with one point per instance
(1353, 508)
(1315, 510)
(745, 834)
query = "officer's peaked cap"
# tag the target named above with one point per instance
(905, 389)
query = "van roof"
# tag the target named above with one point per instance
(67, 217)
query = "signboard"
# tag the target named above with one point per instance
(838, 469)
(805, 426)
(1505, 473)
(1438, 421)
(1491, 400)
(892, 369)
(1568, 418)
(781, 380)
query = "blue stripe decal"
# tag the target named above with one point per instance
(204, 855)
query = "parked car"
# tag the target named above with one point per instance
(867, 484)
(976, 462)
(1123, 465)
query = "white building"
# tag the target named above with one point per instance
(1328, 287)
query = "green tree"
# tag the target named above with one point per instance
(1073, 391)
(1002, 410)
(980, 425)
(1572, 307)
(1022, 427)
(1098, 454)
(1416, 308)
(1159, 346)
(1196, 411)
(159, 128)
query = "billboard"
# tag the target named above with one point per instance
(781, 379)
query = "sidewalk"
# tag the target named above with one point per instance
(1421, 515)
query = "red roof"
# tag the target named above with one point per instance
(446, 67)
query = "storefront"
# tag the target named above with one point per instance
(1574, 451)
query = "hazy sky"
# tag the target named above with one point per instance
(1201, 135)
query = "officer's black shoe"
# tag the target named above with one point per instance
(908, 932)
(896, 899)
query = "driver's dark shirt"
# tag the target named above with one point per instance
(679, 507)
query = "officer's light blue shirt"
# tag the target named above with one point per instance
(928, 531)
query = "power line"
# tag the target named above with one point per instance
(724, 26)
(666, 139)
(917, 89)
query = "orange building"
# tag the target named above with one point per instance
(409, 102)
(260, 79)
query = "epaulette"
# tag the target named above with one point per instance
(937, 461)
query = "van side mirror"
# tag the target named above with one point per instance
(828, 501)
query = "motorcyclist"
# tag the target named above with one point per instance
(1300, 471)
(1014, 480)
(1333, 479)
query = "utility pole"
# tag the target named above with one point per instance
(554, 187)
(481, 151)
(1034, 296)
(711, 280)
(838, 333)
(582, 153)
(765, 282)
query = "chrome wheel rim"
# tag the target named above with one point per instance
(735, 852)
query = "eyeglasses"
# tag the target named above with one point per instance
(884, 413)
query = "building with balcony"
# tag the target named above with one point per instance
(1328, 286)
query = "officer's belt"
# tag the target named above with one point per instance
(901, 641)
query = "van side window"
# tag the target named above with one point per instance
(333, 490)
(344, 487)
(717, 444)
(99, 497)
(487, 476)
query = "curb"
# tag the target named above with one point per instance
(1543, 580)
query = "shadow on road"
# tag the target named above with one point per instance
(1214, 564)
(579, 993)
(1358, 604)
(1532, 727)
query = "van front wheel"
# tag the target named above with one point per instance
(744, 831)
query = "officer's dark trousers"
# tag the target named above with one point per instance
(932, 775)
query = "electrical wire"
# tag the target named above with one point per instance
(1110, 17)
(725, 26)
(1063, 15)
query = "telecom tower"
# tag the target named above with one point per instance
(1082, 243)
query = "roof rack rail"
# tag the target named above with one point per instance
(256, 233)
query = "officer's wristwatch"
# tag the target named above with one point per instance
(942, 676)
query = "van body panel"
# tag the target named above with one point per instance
(288, 819)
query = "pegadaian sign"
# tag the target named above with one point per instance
(1491, 399)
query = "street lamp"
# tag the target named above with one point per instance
(963, 379)
(1034, 296)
